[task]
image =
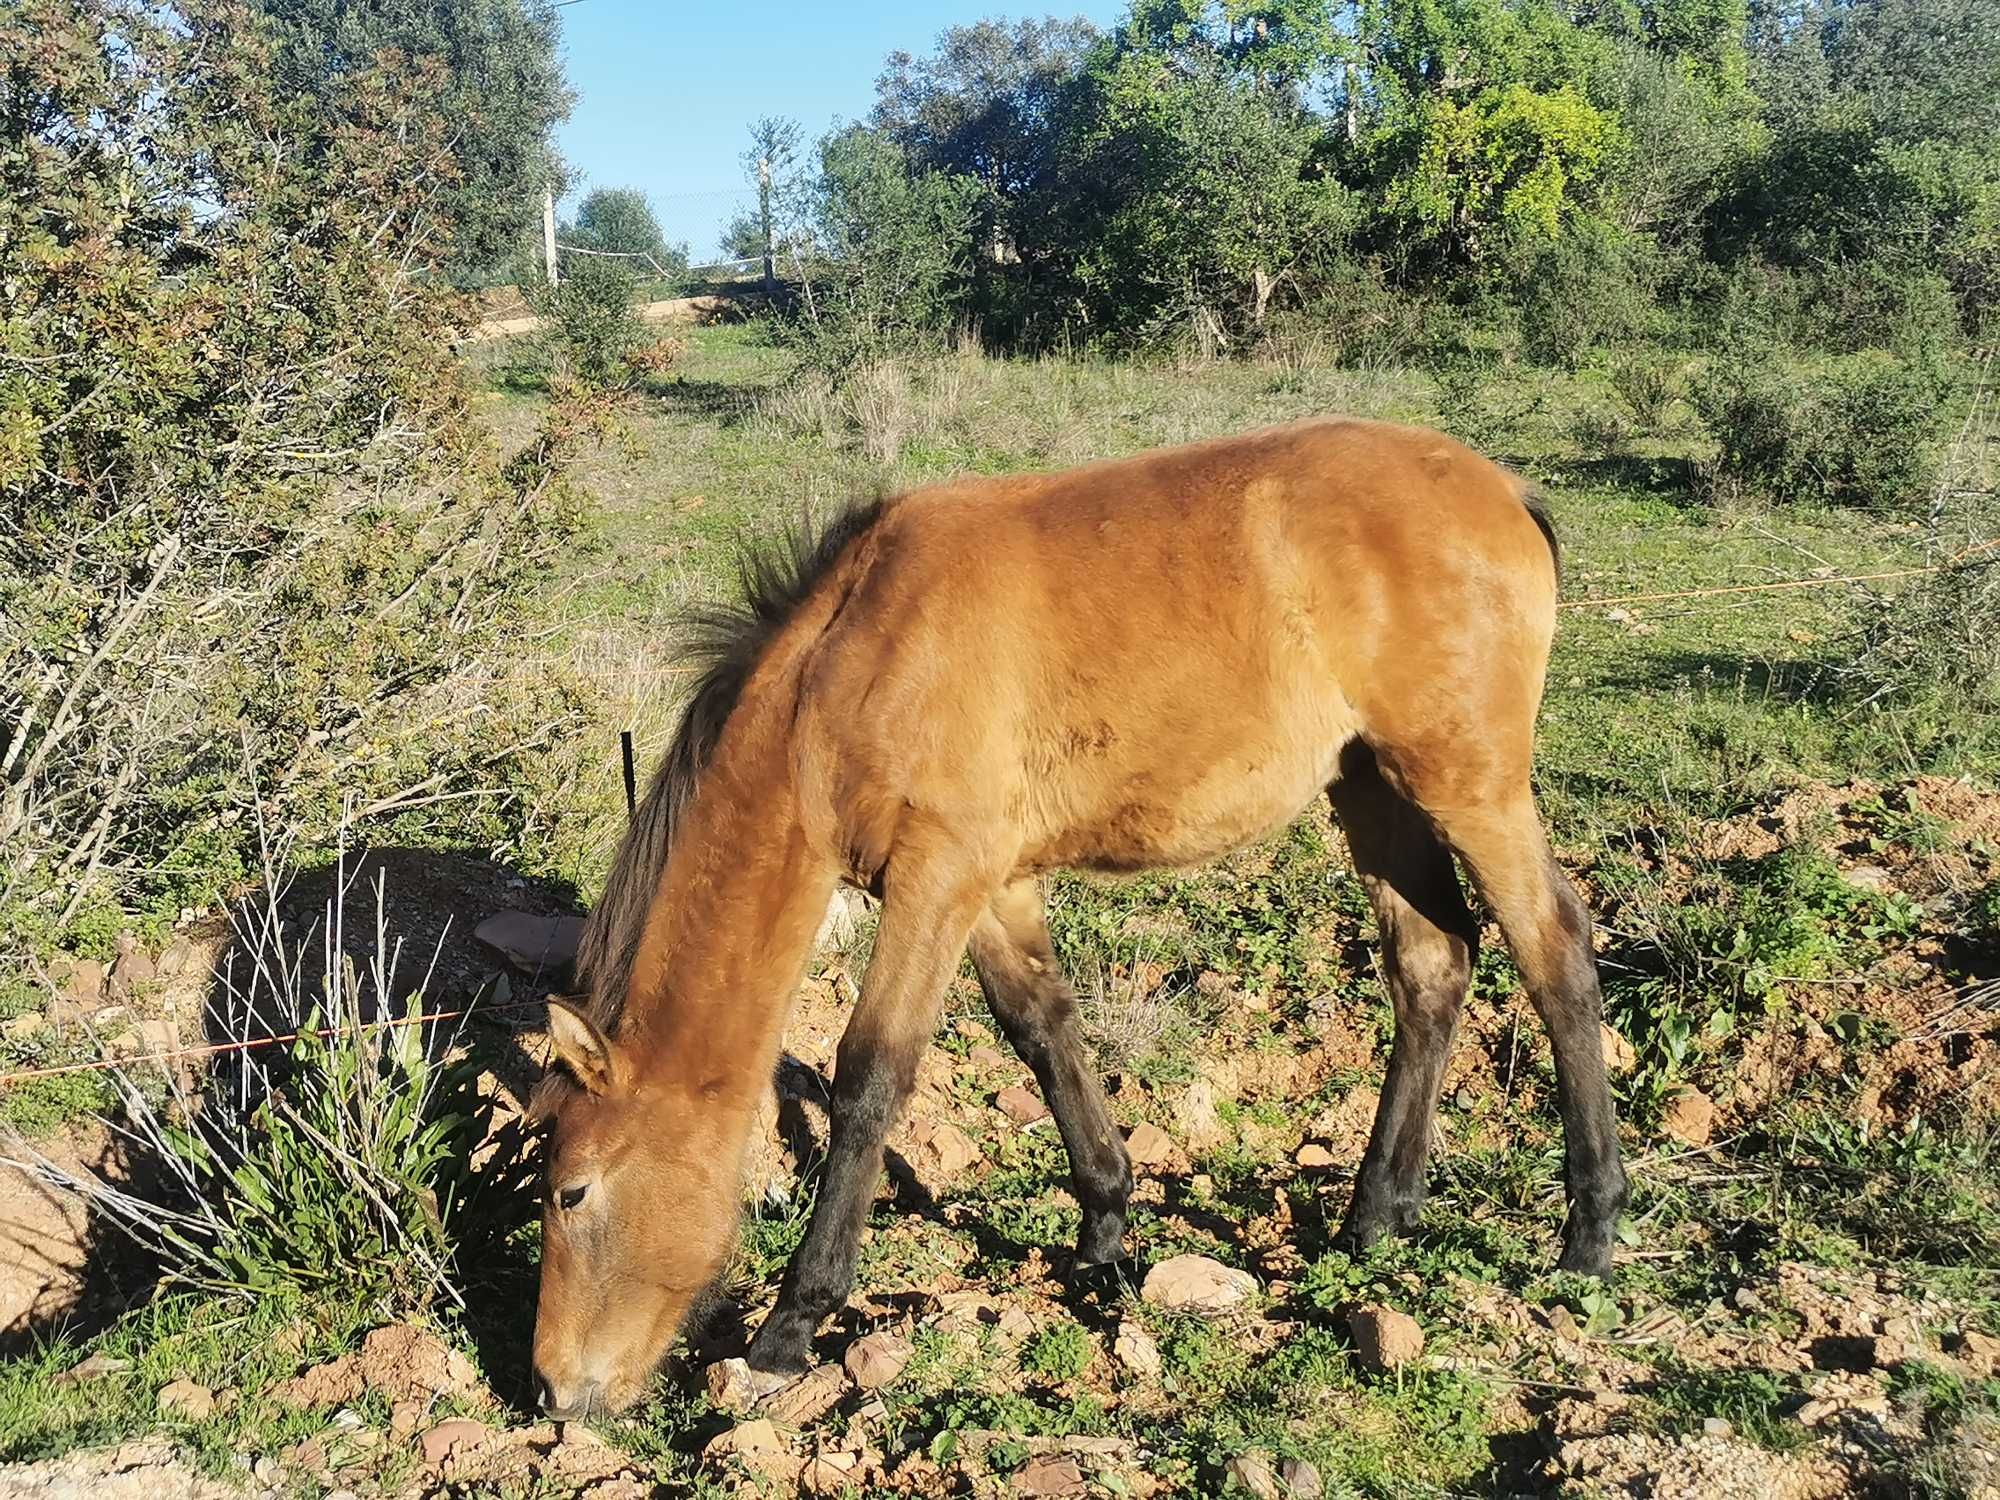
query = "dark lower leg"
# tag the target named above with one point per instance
(869, 1090)
(1389, 1189)
(1548, 930)
(925, 918)
(1573, 1012)
(1428, 938)
(1036, 1008)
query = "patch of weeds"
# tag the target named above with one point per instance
(40, 1107)
(1593, 1304)
(1266, 928)
(1198, 1357)
(1494, 976)
(1414, 1276)
(1164, 1234)
(1018, 1199)
(1423, 1433)
(1521, 1185)
(771, 1232)
(1754, 1402)
(349, 1162)
(18, 995)
(1697, 957)
(1906, 826)
(217, 1344)
(1916, 1191)
(1235, 1163)
(1016, 1416)
(660, 1433)
(1668, 1039)
(1059, 1353)
(1979, 918)
(1743, 927)
(1941, 1395)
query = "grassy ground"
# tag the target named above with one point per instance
(1799, 898)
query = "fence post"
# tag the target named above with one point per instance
(549, 232)
(764, 213)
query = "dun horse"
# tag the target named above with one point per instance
(941, 697)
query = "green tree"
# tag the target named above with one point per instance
(983, 105)
(500, 75)
(1509, 161)
(619, 221)
(1884, 143)
(768, 165)
(884, 257)
(1188, 192)
(1292, 46)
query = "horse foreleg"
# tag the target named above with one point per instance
(1036, 1007)
(930, 899)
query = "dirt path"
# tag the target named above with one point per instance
(672, 310)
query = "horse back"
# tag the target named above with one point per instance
(1151, 661)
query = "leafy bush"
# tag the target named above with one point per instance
(1840, 306)
(1864, 429)
(591, 328)
(882, 253)
(1358, 315)
(1588, 288)
(256, 543)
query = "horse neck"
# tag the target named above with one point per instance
(735, 916)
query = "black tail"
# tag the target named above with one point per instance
(1538, 507)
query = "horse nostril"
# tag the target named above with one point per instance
(583, 1397)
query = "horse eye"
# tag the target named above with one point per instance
(570, 1197)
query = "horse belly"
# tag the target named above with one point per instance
(1200, 796)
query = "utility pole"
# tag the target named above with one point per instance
(549, 232)
(764, 212)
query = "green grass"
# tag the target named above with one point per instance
(174, 1338)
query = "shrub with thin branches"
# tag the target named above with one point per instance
(251, 519)
(1936, 645)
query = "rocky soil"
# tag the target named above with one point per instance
(1284, 1100)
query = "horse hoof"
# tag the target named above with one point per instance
(1104, 1278)
(1588, 1259)
(1355, 1239)
(781, 1354)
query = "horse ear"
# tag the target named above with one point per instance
(580, 1047)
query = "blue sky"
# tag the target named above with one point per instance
(665, 93)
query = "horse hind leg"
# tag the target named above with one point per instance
(1036, 1007)
(1428, 940)
(1547, 926)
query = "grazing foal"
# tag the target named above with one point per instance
(943, 696)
